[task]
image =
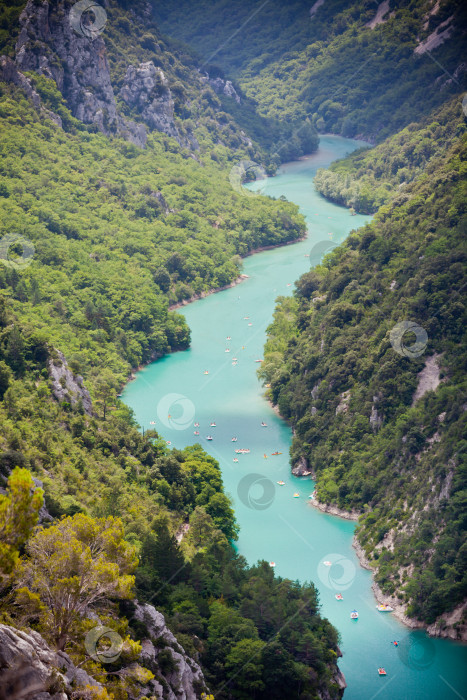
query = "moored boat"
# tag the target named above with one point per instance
(384, 608)
(281, 483)
(354, 615)
(381, 671)
(339, 596)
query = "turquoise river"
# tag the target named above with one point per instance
(275, 526)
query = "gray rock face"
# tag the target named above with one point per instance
(187, 680)
(28, 667)
(146, 89)
(48, 45)
(66, 386)
(224, 87)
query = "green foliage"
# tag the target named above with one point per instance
(331, 68)
(351, 397)
(103, 242)
(368, 179)
(72, 567)
(19, 509)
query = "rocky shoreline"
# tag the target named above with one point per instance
(451, 625)
(447, 626)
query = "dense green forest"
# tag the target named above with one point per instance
(329, 66)
(371, 177)
(370, 426)
(116, 234)
(119, 234)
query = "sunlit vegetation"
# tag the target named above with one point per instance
(370, 178)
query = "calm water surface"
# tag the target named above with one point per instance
(286, 530)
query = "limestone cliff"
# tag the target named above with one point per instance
(30, 668)
(49, 45)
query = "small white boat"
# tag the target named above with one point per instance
(213, 425)
(227, 350)
(339, 596)
(234, 439)
(264, 425)
(208, 437)
(235, 459)
(196, 432)
(196, 425)
(272, 564)
(259, 360)
(281, 483)
(152, 422)
(384, 608)
(381, 671)
(296, 495)
(206, 371)
(354, 615)
(167, 442)
(327, 563)
(229, 338)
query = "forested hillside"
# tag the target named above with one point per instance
(359, 387)
(116, 202)
(353, 68)
(372, 177)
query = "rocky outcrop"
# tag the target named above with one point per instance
(146, 90)
(300, 467)
(186, 680)
(224, 87)
(48, 45)
(428, 378)
(66, 386)
(9, 73)
(375, 418)
(29, 668)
